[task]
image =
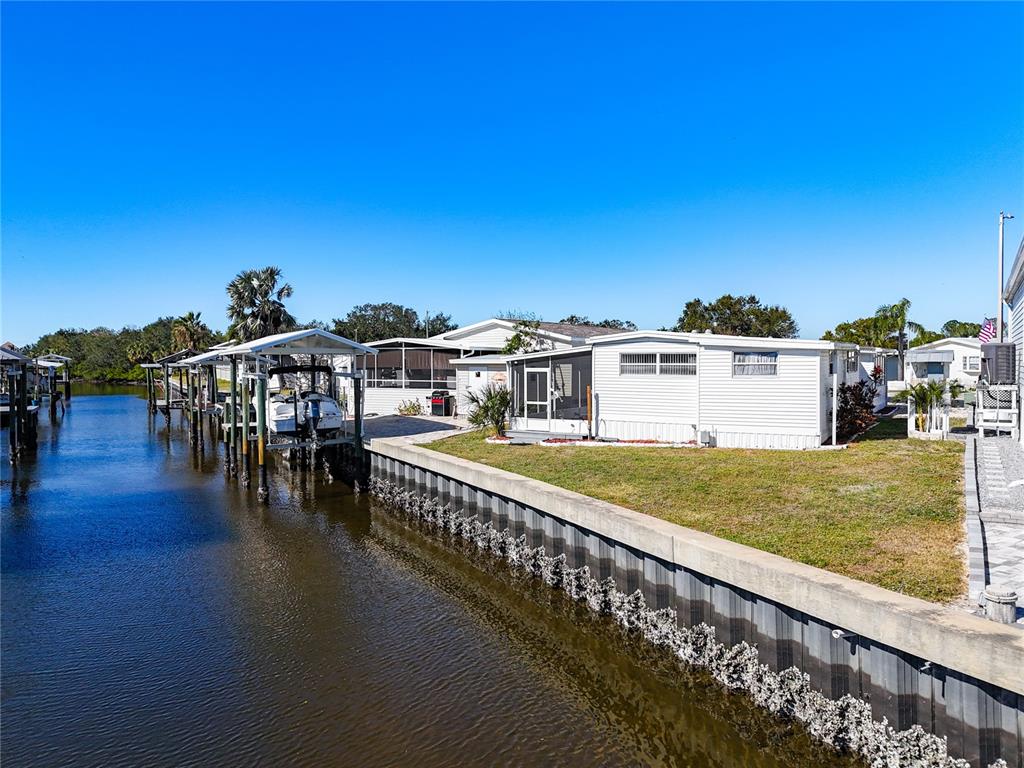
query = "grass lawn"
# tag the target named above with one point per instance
(886, 510)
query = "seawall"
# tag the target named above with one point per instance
(916, 663)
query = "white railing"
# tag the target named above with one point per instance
(936, 421)
(998, 409)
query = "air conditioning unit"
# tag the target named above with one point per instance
(997, 363)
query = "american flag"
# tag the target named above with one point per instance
(988, 331)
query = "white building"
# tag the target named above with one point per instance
(409, 369)
(657, 385)
(965, 366)
(1014, 296)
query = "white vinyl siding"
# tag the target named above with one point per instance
(788, 403)
(755, 363)
(1015, 334)
(645, 406)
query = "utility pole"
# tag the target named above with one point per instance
(999, 317)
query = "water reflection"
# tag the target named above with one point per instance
(154, 613)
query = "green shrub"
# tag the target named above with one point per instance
(410, 408)
(489, 407)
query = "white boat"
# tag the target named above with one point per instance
(314, 412)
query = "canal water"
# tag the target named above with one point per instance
(154, 614)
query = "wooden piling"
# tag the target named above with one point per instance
(357, 421)
(51, 383)
(189, 414)
(27, 436)
(167, 394)
(262, 492)
(67, 383)
(211, 372)
(13, 417)
(245, 432)
(233, 442)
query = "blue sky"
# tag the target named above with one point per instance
(607, 160)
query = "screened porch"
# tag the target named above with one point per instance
(408, 365)
(551, 392)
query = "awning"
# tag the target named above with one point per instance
(929, 356)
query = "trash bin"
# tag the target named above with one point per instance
(440, 403)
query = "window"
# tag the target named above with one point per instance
(851, 361)
(677, 364)
(638, 363)
(972, 363)
(660, 363)
(755, 363)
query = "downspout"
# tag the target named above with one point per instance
(700, 373)
(835, 397)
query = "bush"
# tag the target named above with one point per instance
(410, 408)
(856, 408)
(489, 407)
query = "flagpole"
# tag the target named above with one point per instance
(999, 306)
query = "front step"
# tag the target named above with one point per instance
(531, 436)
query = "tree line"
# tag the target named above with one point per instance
(257, 307)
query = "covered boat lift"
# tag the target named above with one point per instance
(250, 364)
(20, 417)
(51, 363)
(165, 364)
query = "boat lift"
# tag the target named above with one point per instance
(251, 366)
(19, 416)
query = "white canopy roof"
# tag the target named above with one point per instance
(311, 341)
(205, 357)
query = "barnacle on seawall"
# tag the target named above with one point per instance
(845, 724)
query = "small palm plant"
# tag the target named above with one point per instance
(928, 396)
(489, 407)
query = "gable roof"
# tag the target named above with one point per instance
(565, 332)
(311, 341)
(963, 341)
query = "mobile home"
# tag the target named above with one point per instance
(965, 365)
(729, 391)
(1014, 296)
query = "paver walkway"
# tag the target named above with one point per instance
(1001, 497)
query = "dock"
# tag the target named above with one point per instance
(317, 361)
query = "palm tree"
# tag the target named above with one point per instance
(256, 305)
(190, 332)
(894, 319)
